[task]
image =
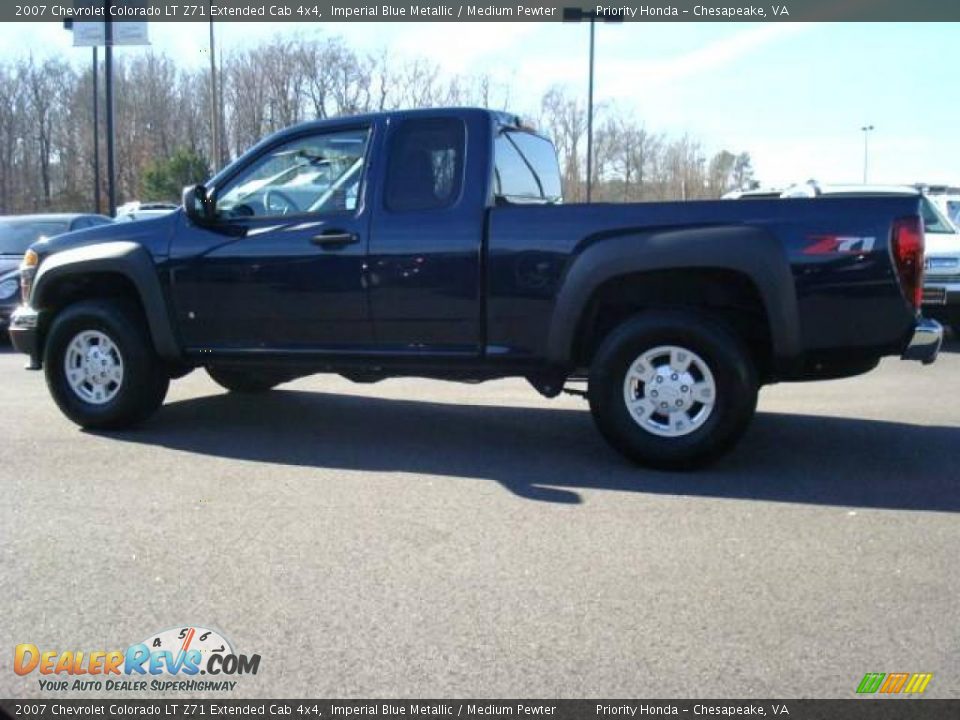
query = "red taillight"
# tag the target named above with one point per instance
(908, 257)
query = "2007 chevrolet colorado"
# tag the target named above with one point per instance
(434, 243)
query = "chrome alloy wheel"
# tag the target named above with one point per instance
(669, 391)
(93, 367)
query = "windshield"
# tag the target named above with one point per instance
(17, 235)
(933, 220)
(953, 210)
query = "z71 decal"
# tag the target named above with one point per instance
(839, 245)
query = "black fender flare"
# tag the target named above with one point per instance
(128, 259)
(750, 251)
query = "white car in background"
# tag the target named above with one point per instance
(941, 282)
(137, 210)
(949, 204)
(941, 285)
(759, 193)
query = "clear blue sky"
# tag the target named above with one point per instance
(793, 95)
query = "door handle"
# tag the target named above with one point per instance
(334, 239)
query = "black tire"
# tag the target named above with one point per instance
(734, 379)
(144, 379)
(243, 380)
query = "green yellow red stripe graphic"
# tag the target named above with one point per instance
(894, 683)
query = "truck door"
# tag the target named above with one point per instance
(282, 267)
(426, 236)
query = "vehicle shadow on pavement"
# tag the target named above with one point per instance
(548, 454)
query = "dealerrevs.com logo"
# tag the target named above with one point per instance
(166, 661)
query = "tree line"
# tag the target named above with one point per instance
(164, 112)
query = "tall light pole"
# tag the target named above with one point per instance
(576, 14)
(96, 132)
(866, 129)
(214, 98)
(108, 83)
(68, 25)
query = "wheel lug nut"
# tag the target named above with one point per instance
(654, 393)
(663, 405)
(683, 388)
(674, 376)
(679, 403)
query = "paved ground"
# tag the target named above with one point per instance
(428, 539)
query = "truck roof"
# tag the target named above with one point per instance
(502, 119)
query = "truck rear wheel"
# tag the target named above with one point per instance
(671, 390)
(100, 365)
(243, 380)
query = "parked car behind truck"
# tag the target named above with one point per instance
(19, 232)
(443, 250)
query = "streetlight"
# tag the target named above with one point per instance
(214, 102)
(108, 97)
(68, 25)
(576, 14)
(866, 129)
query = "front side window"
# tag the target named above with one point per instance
(425, 166)
(313, 174)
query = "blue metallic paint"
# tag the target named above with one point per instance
(484, 284)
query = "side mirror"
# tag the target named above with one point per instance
(197, 205)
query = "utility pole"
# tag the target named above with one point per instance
(108, 71)
(68, 24)
(866, 129)
(214, 100)
(576, 14)
(590, 114)
(96, 130)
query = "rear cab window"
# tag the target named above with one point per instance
(425, 164)
(525, 169)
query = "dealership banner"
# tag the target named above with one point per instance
(484, 10)
(484, 709)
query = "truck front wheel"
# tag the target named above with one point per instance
(671, 390)
(100, 365)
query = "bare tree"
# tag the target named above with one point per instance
(47, 136)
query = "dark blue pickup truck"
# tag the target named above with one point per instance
(435, 243)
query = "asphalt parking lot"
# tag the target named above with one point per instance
(418, 539)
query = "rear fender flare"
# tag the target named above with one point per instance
(750, 251)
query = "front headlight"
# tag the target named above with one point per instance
(28, 266)
(8, 288)
(30, 260)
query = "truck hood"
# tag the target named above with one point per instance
(153, 234)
